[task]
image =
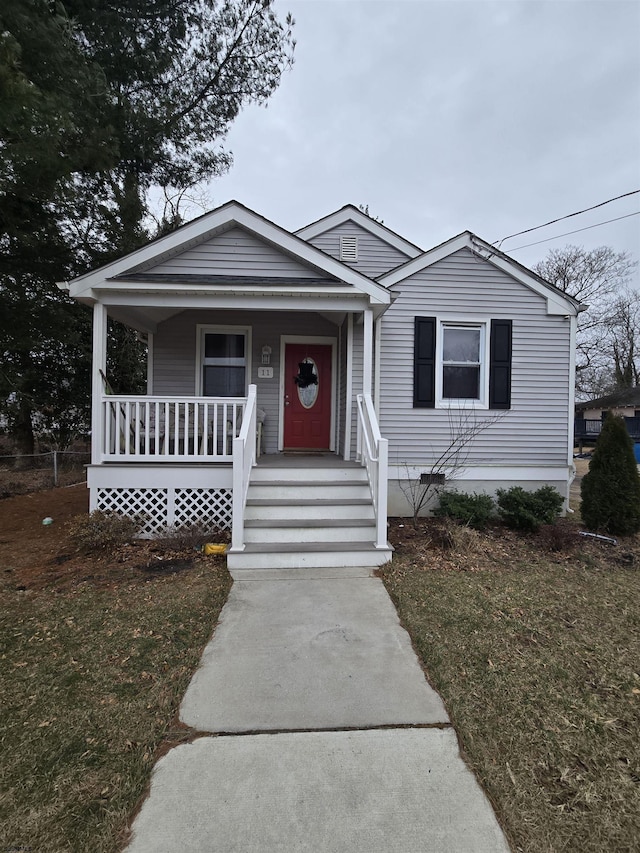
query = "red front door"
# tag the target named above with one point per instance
(307, 400)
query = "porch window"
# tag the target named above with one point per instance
(224, 364)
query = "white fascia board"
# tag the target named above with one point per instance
(262, 302)
(229, 215)
(156, 294)
(557, 302)
(159, 287)
(352, 214)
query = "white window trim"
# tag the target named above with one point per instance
(202, 330)
(448, 403)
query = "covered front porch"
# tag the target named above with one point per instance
(162, 472)
(258, 344)
(175, 459)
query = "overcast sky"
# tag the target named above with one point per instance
(489, 115)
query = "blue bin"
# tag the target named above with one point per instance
(636, 448)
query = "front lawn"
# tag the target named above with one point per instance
(94, 663)
(537, 657)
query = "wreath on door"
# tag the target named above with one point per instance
(305, 376)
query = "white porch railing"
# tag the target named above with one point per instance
(373, 451)
(244, 458)
(170, 429)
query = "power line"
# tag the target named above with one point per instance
(568, 216)
(567, 233)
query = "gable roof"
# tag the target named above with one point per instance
(623, 397)
(350, 213)
(557, 301)
(231, 214)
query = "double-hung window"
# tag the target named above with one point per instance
(462, 362)
(458, 363)
(224, 354)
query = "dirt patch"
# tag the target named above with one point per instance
(35, 556)
(24, 540)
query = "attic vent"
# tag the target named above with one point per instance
(349, 249)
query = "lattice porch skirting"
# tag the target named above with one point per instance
(159, 508)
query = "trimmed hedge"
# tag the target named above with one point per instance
(528, 511)
(474, 510)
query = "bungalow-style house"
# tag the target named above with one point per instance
(301, 384)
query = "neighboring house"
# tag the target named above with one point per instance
(591, 413)
(342, 337)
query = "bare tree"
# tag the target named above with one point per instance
(622, 325)
(465, 425)
(598, 278)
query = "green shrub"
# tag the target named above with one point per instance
(100, 530)
(611, 488)
(524, 510)
(474, 510)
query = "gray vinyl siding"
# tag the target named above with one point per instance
(174, 353)
(375, 256)
(535, 430)
(236, 252)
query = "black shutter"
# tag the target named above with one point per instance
(500, 365)
(424, 363)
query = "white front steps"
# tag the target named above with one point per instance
(308, 515)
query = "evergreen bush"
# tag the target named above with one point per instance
(474, 510)
(611, 488)
(524, 510)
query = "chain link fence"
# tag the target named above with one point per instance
(20, 474)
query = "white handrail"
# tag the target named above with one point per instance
(373, 452)
(169, 429)
(244, 458)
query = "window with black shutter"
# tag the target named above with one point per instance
(450, 363)
(424, 363)
(500, 364)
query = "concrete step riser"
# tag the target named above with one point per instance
(301, 512)
(310, 559)
(297, 534)
(325, 491)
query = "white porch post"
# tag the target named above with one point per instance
(377, 335)
(99, 363)
(367, 354)
(348, 395)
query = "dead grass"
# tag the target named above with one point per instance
(93, 673)
(534, 644)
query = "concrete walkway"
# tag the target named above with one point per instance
(324, 734)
